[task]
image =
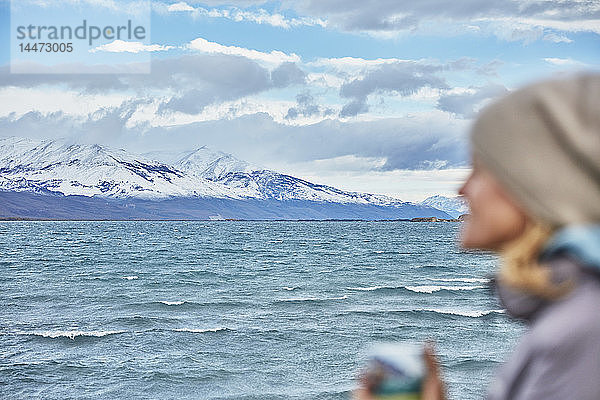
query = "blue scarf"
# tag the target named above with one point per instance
(579, 241)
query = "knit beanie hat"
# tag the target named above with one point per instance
(542, 143)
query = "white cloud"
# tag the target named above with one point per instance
(350, 163)
(531, 29)
(263, 17)
(181, 6)
(121, 46)
(228, 110)
(553, 37)
(349, 68)
(512, 30)
(343, 63)
(260, 16)
(53, 100)
(274, 57)
(592, 25)
(563, 62)
(352, 173)
(532, 19)
(324, 80)
(468, 101)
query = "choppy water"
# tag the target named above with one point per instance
(236, 310)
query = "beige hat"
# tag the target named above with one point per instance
(543, 144)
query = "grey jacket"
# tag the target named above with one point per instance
(559, 356)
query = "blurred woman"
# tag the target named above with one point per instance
(534, 198)
(534, 194)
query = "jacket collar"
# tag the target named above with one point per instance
(581, 242)
(524, 305)
(569, 252)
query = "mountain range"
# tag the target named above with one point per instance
(63, 180)
(455, 206)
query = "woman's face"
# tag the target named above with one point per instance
(494, 218)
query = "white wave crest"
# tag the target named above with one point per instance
(462, 313)
(190, 330)
(315, 298)
(436, 288)
(370, 288)
(172, 303)
(468, 280)
(70, 334)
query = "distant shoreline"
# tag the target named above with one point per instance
(17, 219)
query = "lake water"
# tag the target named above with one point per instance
(237, 310)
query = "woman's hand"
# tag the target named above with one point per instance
(368, 382)
(433, 386)
(363, 392)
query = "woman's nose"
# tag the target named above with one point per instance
(461, 190)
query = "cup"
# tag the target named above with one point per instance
(395, 371)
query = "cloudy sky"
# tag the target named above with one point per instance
(374, 96)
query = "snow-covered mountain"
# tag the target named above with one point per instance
(203, 162)
(253, 181)
(93, 171)
(454, 206)
(213, 165)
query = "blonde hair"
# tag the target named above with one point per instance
(520, 267)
